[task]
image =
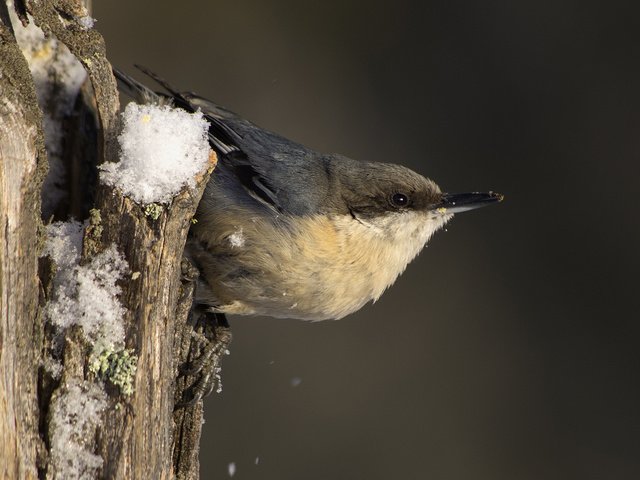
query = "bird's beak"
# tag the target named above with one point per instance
(461, 202)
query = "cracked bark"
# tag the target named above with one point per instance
(138, 436)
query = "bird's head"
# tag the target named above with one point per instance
(399, 204)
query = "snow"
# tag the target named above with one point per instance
(85, 295)
(296, 381)
(237, 239)
(64, 244)
(53, 366)
(162, 150)
(75, 415)
(58, 76)
(49, 61)
(231, 468)
(86, 22)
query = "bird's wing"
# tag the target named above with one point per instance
(287, 176)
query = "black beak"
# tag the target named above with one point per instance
(461, 202)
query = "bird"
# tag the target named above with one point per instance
(288, 232)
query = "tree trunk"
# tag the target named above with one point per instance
(22, 168)
(68, 410)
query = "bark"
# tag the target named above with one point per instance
(140, 435)
(22, 165)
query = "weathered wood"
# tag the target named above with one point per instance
(87, 45)
(187, 421)
(196, 334)
(22, 169)
(138, 435)
(137, 441)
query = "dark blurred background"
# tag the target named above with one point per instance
(509, 349)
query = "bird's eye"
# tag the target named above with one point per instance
(399, 200)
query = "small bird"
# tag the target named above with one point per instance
(285, 231)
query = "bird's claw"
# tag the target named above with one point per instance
(209, 346)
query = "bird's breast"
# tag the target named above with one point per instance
(311, 267)
(347, 262)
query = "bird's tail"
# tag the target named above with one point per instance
(139, 92)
